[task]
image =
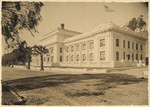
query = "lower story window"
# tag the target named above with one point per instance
(117, 56)
(128, 56)
(67, 58)
(124, 55)
(102, 55)
(132, 56)
(136, 56)
(52, 59)
(91, 57)
(60, 58)
(72, 58)
(77, 57)
(84, 57)
(141, 57)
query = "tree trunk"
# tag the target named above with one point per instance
(42, 68)
(28, 67)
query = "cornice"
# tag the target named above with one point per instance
(103, 28)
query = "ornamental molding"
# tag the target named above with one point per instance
(104, 28)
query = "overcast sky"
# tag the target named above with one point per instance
(83, 16)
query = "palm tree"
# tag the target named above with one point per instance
(40, 50)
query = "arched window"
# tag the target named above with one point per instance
(78, 57)
(117, 56)
(60, 58)
(91, 57)
(72, 48)
(102, 55)
(60, 49)
(141, 57)
(67, 58)
(47, 59)
(84, 57)
(72, 58)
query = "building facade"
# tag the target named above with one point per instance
(108, 45)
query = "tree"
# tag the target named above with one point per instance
(17, 16)
(137, 23)
(40, 50)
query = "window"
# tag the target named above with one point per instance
(102, 55)
(60, 58)
(128, 56)
(124, 55)
(78, 57)
(136, 46)
(132, 45)
(91, 57)
(117, 42)
(84, 46)
(102, 42)
(136, 56)
(84, 57)
(124, 43)
(141, 57)
(67, 49)
(44, 59)
(72, 58)
(60, 49)
(72, 48)
(51, 51)
(117, 56)
(51, 58)
(47, 59)
(91, 45)
(132, 56)
(67, 58)
(141, 47)
(77, 47)
(129, 44)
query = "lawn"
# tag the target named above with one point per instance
(76, 89)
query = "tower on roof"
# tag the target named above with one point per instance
(62, 26)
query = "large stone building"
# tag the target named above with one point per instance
(108, 45)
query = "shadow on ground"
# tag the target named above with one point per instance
(55, 80)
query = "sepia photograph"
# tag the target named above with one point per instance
(74, 53)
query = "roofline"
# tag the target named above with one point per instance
(103, 28)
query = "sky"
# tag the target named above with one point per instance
(83, 16)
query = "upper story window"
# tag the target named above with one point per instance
(91, 45)
(102, 42)
(91, 57)
(102, 55)
(117, 42)
(84, 57)
(72, 48)
(60, 49)
(132, 45)
(136, 46)
(129, 44)
(84, 46)
(117, 56)
(77, 47)
(141, 47)
(124, 43)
